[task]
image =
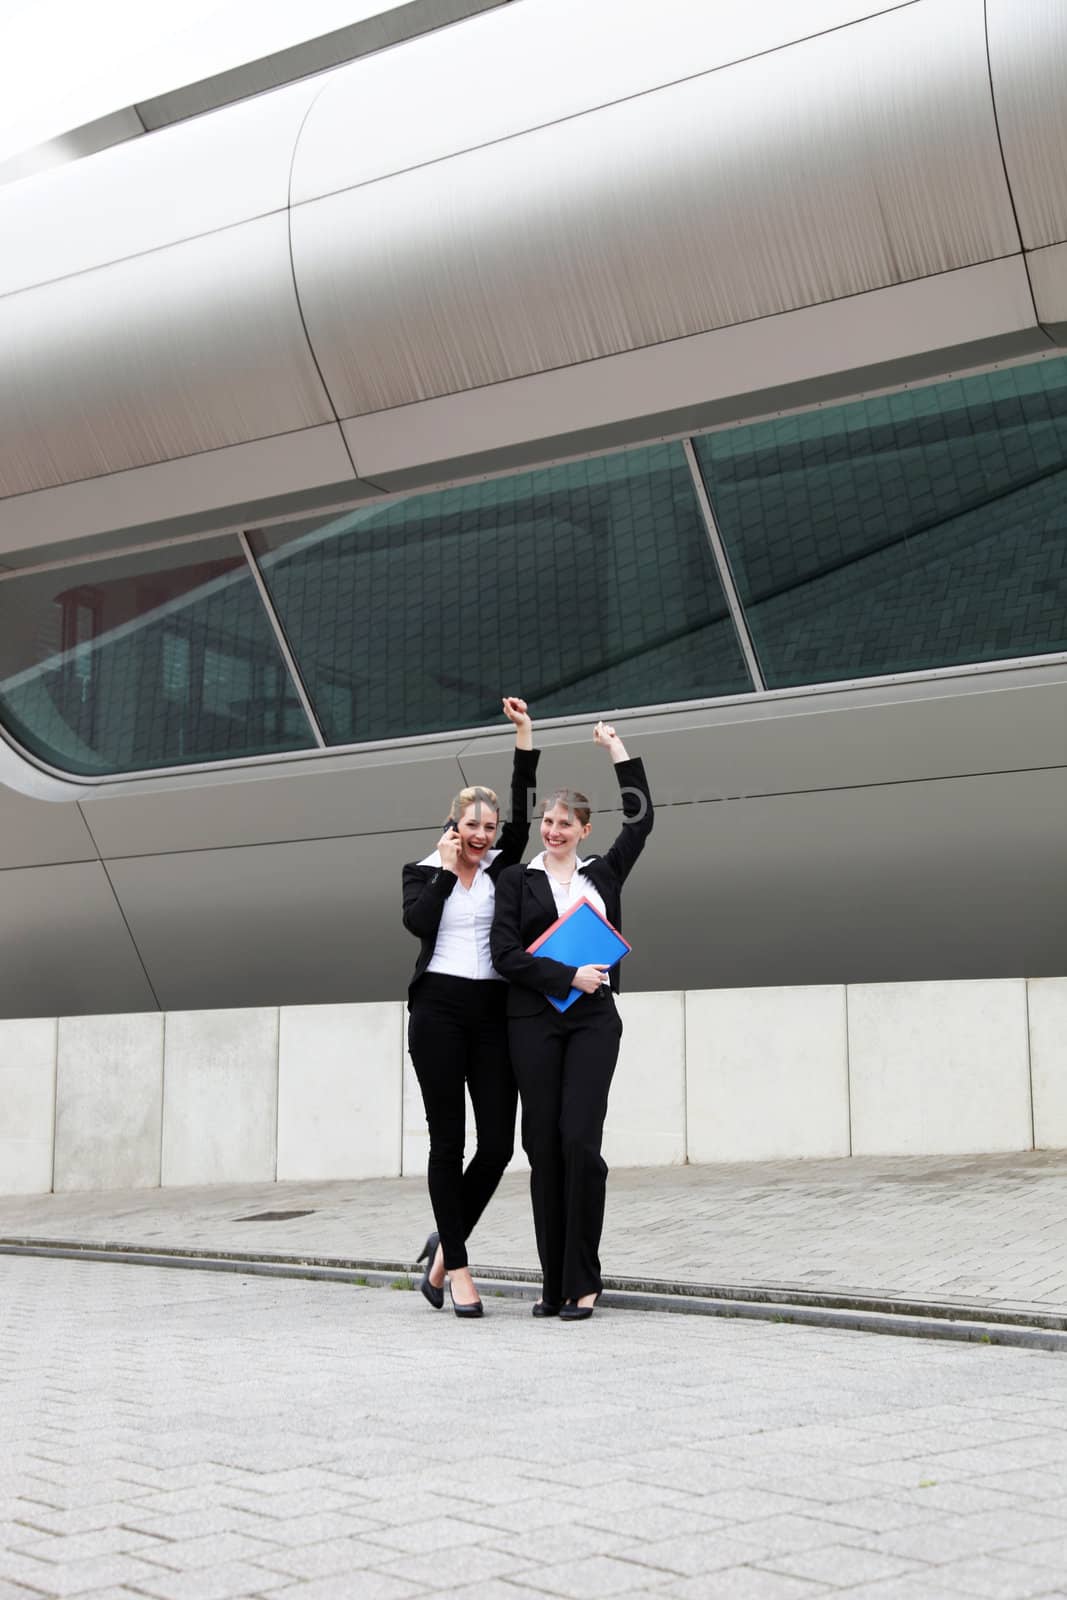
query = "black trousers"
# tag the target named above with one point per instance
(564, 1064)
(457, 1035)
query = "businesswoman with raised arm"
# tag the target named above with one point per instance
(564, 1061)
(457, 1029)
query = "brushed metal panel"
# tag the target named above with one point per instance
(890, 882)
(887, 867)
(1000, 729)
(1048, 275)
(529, 66)
(281, 924)
(890, 336)
(19, 774)
(894, 733)
(86, 140)
(208, 174)
(853, 160)
(1028, 65)
(37, 833)
(962, 878)
(333, 795)
(389, 27)
(216, 486)
(163, 355)
(64, 948)
(848, 739)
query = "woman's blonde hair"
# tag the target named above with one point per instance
(476, 795)
(575, 801)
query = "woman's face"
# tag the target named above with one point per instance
(477, 830)
(561, 831)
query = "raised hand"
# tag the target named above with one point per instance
(604, 734)
(516, 712)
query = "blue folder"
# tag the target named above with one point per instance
(580, 938)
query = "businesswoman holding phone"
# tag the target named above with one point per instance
(564, 1061)
(457, 1029)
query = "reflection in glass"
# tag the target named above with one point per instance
(582, 587)
(141, 661)
(920, 529)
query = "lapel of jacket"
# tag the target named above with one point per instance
(542, 892)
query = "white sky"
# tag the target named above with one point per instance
(64, 63)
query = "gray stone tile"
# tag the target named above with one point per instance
(536, 1513)
(570, 1541)
(842, 1565)
(1047, 1552)
(959, 1538)
(923, 1587)
(593, 1577)
(230, 1581)
(652, 1522)
(995, 1578)
(291, 1532)
(86, 1546)
(371, 1586)
(457, 1566)
(494, 1589)
(210, 1550)
(746, 1583)
(214, 1522)
(746, 1505)
(325, 1559)
(98, 1572)
(698, 1553)
(394, 1506)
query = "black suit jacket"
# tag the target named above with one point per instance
(525, 907)
(426, 888)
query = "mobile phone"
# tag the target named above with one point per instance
(450, 823)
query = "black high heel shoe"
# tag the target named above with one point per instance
(573, 1312)
(544, 1308)
(434, 1295)
(472, 1310)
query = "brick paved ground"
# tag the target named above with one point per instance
(197, 1436)
(986, 1230)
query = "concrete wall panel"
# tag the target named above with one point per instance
(939, 1067)
(646, 1114)
(220, 1097)
(1047, 1008)
(767, 1074)
(340, 1076)
(109, 1102)
(28, 1102)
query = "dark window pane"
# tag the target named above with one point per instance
(920, 529)
(141, 661)
(582, 587)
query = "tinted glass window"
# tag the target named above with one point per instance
(152, 660)
(920, 529)
(583, 588)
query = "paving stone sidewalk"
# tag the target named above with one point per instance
(204, 1436)
(987, 1231)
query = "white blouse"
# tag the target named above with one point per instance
(462, 947)
(567, 894)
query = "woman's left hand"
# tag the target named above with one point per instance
(604, 734)
(516, 712)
